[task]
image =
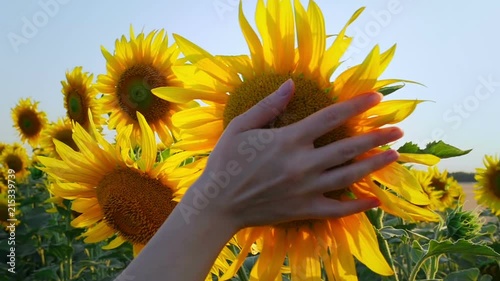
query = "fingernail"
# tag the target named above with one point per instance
(396, 133)
(392, 155)
(374, 202)
(375, 97)
(286, 88)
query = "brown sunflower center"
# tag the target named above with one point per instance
(4, 211)
(14, 162)
(77, 107)
(134, 92)
(495, 183)
(308, 99)
(29, 123)
(134, 204)
(66, 136)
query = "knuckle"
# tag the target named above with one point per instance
(347, 152)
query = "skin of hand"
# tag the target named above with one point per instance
(259, 177)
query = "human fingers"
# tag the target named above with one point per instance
(266, 110)
(344, 176)
(324, 207)
(347, 149)
(327, 119)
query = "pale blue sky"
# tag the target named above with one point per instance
(450, 46)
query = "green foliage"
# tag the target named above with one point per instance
(48, 248)
(439, 149)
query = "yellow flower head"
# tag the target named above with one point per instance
(28, 121)
(230, 85)
(444, 191)
(487, 188)
(80, 97)
(117, 191)
(138, 65)
(61, 131)
(15, 157)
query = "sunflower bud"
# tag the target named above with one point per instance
(463, 224)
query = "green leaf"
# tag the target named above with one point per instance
(390, 89)
(470, 274)
(439, 149)
(390, 232)
(460, 246)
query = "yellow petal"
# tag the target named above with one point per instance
(253, 42)
(424, 159)
(184, 95)
(399, 179)
(363, 243)
(117, 242)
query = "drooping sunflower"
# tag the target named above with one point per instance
(15, 157)
(444, 191)
(487, 188)
(138, 65)
(120, 192)
(230, 85)
(28, 121)
(61, 131)
(80, 97)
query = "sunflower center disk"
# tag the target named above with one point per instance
(308, 99)
(14, 163)
(66, 136)
(77, 108)
(134, 204)
(496, 183)
(29, 123)
(134, 92)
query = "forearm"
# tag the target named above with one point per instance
(185, 247)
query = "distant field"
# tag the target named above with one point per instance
(470, 202)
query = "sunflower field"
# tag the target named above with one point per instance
(82, 195)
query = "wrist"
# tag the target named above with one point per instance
(201, 203)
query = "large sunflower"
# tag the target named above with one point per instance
(61, 131)
(15, 157)
(119, 191)
(80, 97)
(28, 121)
(137, 66)
(230, 85)
(443, 190)
(487, 188)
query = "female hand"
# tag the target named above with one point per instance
(266, 176)
(263, 176)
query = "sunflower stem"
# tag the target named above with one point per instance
(377, 219)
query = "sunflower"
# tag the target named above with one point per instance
(15, 157)
(28, 121)
(443, 190)
(61, 131)
(80, 97)
(2, 147)
(487, 188)
(230, 85)
(120, 191)
(137, 66)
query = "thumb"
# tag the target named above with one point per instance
(266, 110)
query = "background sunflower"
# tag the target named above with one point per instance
(487, 188)
(62, 131)
(80, 98)
(28, 121)
(138, 65)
